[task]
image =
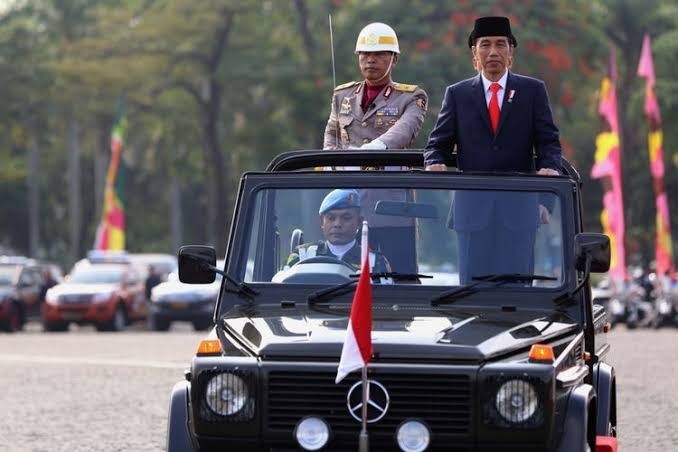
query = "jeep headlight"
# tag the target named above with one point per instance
(226, 394)
(516, 401)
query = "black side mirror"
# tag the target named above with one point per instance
(193, 264)
(595, 247)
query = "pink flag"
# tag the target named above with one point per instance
(357, 348)
(646, 69)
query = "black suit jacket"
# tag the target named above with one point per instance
(525, 127)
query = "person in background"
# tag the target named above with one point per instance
(152, 280)
(377, 113)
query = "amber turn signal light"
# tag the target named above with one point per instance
(209, 347)
(540, 353)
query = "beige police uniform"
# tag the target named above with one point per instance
(395, 116)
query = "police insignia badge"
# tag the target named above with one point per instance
(388, 111)
(345, 106)
(379, 122)
(421, 103)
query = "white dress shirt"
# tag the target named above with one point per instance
(500, 93)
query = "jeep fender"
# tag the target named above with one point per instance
(604, 382)
(574, 436)
(178, 433)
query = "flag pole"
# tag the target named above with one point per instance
(363, 442)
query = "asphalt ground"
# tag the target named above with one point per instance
(89, 391)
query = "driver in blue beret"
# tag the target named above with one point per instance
(340, 222)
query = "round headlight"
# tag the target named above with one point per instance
(516, 400)
(413, 436)
(226, 394)
(312, 433)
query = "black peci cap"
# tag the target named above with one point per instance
(492, 26)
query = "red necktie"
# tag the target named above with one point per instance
(494, 107)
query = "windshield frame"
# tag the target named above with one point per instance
(251, 183)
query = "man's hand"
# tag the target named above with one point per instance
(436, 167)
(548, 172)
(544, 215)
(376, 144)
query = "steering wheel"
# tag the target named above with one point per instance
(324, 260)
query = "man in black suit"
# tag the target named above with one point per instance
(498, 121)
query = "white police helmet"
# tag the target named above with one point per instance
(377, 37)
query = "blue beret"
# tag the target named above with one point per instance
(340, 199)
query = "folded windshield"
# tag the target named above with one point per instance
(312, 235)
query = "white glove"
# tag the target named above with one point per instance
(374, 144)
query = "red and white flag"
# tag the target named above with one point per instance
(357, 348)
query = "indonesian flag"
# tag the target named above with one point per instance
(357, 348)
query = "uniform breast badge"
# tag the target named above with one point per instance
(345, 106)
(388, 111)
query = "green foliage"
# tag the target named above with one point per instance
(272, 82)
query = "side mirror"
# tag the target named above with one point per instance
(594, 246)
(193, 262)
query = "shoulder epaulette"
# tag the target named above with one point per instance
(404, 87)
(346, 85)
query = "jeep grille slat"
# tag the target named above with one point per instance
(442, 401)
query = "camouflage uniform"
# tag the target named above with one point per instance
(395, 116)
(378, 262)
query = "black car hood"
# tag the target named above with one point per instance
(417, 333)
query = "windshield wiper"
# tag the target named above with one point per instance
(450, 296)
(340, 289)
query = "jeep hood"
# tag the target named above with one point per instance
(416, 334)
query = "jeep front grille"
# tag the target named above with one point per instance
(442, 401)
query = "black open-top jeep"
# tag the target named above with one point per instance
(507, 361)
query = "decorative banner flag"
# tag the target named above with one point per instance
(111, 231)
(357, 348)
(608, 165)
(663, 248)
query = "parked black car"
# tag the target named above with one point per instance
(507, 362)
(22, 288)
(173, 301)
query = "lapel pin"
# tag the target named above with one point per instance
(511, 93)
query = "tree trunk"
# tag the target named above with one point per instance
(74, 193)
(33, 199)
(175, 213)
(218, 202)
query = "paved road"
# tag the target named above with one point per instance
(86, 391)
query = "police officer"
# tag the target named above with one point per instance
(340, 221)
(378, 113)
(375, 113)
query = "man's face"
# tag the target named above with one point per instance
(340, 226)
(374, 66)
(493, 55)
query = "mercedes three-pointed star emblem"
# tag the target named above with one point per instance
(378, 401)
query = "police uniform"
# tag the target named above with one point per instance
(338, 199)
(394, 117)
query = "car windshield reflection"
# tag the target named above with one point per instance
(313, 236)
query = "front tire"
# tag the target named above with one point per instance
(14, 321)
(156, 323)
(201, 325)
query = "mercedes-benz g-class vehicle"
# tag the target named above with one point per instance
(501, 352)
